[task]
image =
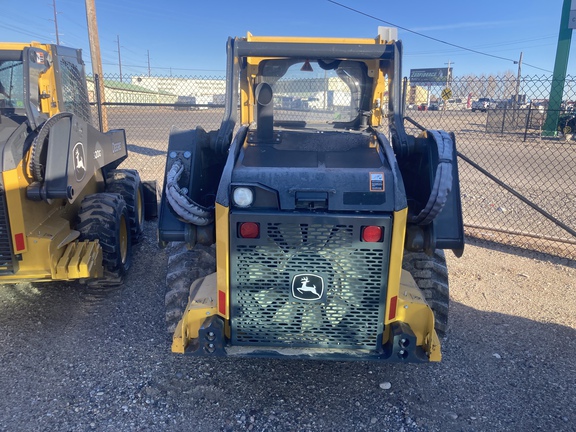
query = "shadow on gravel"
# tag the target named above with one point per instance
(499, 372)
(134, 148)
(34, 301)
(522, 252)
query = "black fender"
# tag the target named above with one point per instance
(432, 183)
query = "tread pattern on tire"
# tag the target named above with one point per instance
(431, 276)
(127, 183)
(184, 267)
(99, 218)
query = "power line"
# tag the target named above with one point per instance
(21, 30)
(159, 67)
(535, 67)
(432, 38)
(447, 51)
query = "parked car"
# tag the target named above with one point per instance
(481, 104)
(434, 107)
(567, 123)
(185, 103)
(454, 104)
(423, 107)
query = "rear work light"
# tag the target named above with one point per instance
(249, 230)
(243, 196)
(372, 234)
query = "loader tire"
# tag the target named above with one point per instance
(127, 183)
(431, 276)
(104, 216)
(184, 267)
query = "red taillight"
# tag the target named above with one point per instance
(372, 233)
(249, 230)
(222, 303)
(19, 239)
(392, 311)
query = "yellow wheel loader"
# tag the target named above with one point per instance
(66, 211)
(316, 223)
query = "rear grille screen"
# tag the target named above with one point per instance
(267, 272)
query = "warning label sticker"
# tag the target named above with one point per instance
(377, 182)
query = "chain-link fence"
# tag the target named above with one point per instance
(517, 152)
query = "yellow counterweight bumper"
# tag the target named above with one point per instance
(201, 305)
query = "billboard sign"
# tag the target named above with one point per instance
(429, 76)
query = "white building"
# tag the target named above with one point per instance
(205, 90)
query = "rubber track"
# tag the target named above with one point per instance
(184, 267)
(431, 276)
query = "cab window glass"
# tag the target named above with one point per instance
(11, 73)
(74, 94)
(315, 91)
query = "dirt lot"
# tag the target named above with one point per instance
(74, 361)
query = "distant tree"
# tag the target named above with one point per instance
(508, 85)
(492, 87)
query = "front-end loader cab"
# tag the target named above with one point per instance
(55, 169)
(42, 80)
(319, 200)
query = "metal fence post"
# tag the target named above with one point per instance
(503, 119)
(527, 121)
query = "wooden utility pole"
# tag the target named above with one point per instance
(448, 73)
(56, 22)
(96, 58)
(148, 62)
(119, 57)
(517, 101)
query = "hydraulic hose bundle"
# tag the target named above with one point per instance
(187, 210)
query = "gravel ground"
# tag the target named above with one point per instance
(75, 361)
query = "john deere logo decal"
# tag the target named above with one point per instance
(307, 287)
(79, 162)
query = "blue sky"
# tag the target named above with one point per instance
(187, 37)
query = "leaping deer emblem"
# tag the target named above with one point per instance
(305, 288)
(79, 160)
